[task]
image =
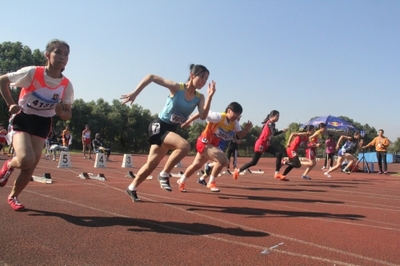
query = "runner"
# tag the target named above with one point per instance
(220, 126)
(296, 140)
(346, 152)
(183, 99)
(311, 150)
(263, 144)
(45, 92)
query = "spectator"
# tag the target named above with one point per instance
(99, 147)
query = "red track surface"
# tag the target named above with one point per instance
(345, 220)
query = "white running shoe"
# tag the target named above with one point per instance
(327, 175)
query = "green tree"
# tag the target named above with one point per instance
(13, 56)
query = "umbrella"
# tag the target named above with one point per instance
(334, 124)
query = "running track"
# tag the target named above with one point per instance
(255, 220)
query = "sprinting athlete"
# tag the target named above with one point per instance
(181, 102)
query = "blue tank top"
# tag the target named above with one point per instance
(348, 146)
(177, 109)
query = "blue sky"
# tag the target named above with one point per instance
(303, 58)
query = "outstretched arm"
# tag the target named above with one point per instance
(171, 85)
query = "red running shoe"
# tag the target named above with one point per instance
(280, 177)
(15, 204)
(235, 174)
(5, 173)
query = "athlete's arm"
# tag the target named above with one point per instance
(169, 84)
(5, 92)
(204, 105)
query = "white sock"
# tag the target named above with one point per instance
(164, 174)
(276, 172)
(211, 179)
(182, 179)
(132, 187)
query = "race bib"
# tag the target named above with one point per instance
(223, 134)
(177, 119)
(155, 128)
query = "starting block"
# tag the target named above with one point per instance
(177, 175)
(130, 174)
(99, 177)
(127, 161)
(255, 172)
(45, 179)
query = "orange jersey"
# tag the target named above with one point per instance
(215, 131)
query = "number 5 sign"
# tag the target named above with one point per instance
(65, 160)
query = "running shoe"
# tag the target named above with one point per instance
(207, 169)
(5, 173)
(181, 186)
(323, 168)
(235, 174)
(212, 187)
(327, 175)
(15, 204)
(202, 182)
(347, 171)
(280, 177)
(306, 177)
(164, 183)
(133, 195)
(379, 173)
(386, 172)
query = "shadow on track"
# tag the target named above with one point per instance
(145, 225)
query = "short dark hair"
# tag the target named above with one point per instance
(235, 107)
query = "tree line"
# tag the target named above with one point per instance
(124, 128)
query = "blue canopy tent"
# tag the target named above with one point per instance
(334, 125)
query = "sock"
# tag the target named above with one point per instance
(202, 177)
(182, 179)
(164, 174)
(276, 172)
(211, 179)
(132, 187)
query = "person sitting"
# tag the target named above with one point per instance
(54, 145)
(99, 147)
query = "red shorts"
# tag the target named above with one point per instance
(260, 146)
(291, 153)
(86, 141)
(202, 143)
(310, 153)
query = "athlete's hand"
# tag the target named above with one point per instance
(248, 125)
(128, 98)
(186, 124)
(212, 87)
(14, 108)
